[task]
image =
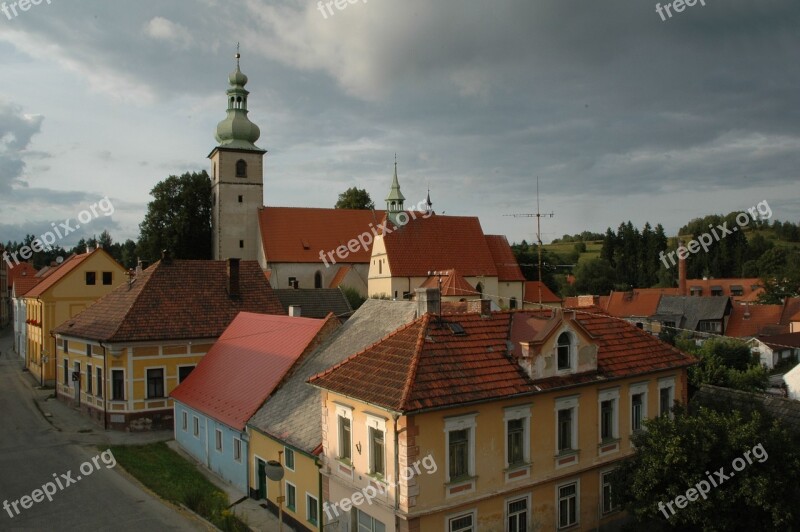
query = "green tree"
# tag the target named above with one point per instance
(594, 276)
(673, 455)
(726, 362)
(353, 297)
(178, 219)
(355, 198)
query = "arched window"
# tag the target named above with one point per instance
(479, 288)
(241, 168)
(318, 280)
(564, 351)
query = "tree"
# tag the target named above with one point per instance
(675, 454)
(726, 362)
(594, 276)
(355, 198)
(353, 297)
(178, 219)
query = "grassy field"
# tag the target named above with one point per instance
(563, 248)
(177, 480)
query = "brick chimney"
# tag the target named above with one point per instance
(480, 306)
(233, 277)
(681, 271)
(429, 301)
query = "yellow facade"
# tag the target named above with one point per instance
(63, 300)
(304, 477)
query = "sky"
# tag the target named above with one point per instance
(621, 115)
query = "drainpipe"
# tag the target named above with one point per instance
(396, 469)
(105, 389)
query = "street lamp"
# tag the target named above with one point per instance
(274, 471)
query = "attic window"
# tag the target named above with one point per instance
(456, 329)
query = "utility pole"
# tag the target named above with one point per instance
(538, 215)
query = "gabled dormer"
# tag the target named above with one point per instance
(553, 344)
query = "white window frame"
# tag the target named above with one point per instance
(573, 350)
(512, 413)
(286, 452)
(286, 491)
(603, 509)
(472, 513)
(516, 498)
(603, 396)
(666, 382)
(377, 423)
(347, 413)
(577, 522)
(642, 389)
(219, 440)
(237, 449)
(308, 508)
(466, 422)
(196, 426)
(567, 403)
(147, 370)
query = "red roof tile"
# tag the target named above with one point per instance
(21, 270)
(453, 284)
(341, 273)
(791, 310)
(246, 365)
(295, 234)
(439, 243)
(182, 299)
(425, 365)
(782, 341)
(635, 303)
(23, 285)
(755, 320)
(504, 259)
(532, 293)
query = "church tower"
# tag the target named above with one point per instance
(395, 199)
(237, 178)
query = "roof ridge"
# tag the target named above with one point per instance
(412, 371)
(140, 288)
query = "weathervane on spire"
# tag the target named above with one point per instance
(238, 55)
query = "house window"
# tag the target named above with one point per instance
(196, 426)
(318, 280)
(99, 382)
(479, 288)
(460, 447)
(155, 383)
(65, 346)
(241, 244)
(517, 515)
(564, 349)
(312, 509)
(291, 496)
(376, 451)
(344, 417)
(88, 379)
(237, 450)
(568, 505)
(185, 421)
(608, 502)
(91, 278)
(709, 326)
(638, 406)
(183, 372)
(241, 168)
(462, 523)
(66, 372)
(512, 304)
(609, 415)
(108, 278)
(241, 199)
(76, 374)
(367, 523)
(666, 396)
(117, 385)
(293, 282)
(288, 458)
(218, 440)
(517, 421)
(566, 425)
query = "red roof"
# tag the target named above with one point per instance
(54, 275)
(532, 293)
(791, 310)
(426, 365)
(636, 303)
(439, 243)
(750, 287)
(182, 299)
(783, 341)
(341, 273)
(755, 320)
(21, 270)
(453, 284)
(23, 285)
(299, 234)
(504, 259)
(246, 365)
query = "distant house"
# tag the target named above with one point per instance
(699, 314)
(635, 306)
(755, 321)
(315, 302)
(537, 292)
(123, 355)
(775, 349)
(247, 363)
(452, 286)
(287, 426)
(22, 285)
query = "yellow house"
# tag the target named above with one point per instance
(490, 421)
(120, 358)
(64, 292)
(287, 426)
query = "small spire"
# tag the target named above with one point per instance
(428, 202)
(237, 56)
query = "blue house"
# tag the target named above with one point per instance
(248, 362)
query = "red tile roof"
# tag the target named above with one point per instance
(439, 243)
(532, 293)
(23, 285)
(504, 259)
(182, 299)
(54, 275)
(782, 341)
(425, 365)
(23, 269)
(755, 320)
(791, 310)
(296, 234)
(341, 273)
(750, 286)
(453, 284)
(635, 303)
(246, 365)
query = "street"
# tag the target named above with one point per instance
(33, 453)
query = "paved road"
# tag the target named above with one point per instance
(31, 451)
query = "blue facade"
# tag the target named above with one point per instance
(203, 445)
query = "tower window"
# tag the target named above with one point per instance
(318, 280)
(241, 244)
(241, 199)
(241, 168)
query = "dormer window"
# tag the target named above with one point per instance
(564, 348)
(241, 168)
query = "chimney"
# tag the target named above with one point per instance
(681, 271)
(233, 277)
(166, 258)
(90, 249)
(480, 306)
(295, 311)
(428, 301)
